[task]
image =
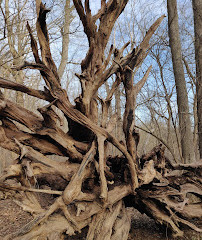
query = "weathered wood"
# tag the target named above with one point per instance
(102, 223)
(44, 95)
(92, 188)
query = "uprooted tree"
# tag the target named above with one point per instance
(91, 188)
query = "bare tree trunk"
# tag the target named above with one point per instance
(169, 108)
(17, 54)
(65, 38)
(193, 85)
(118, 112)
(182, 97)
(19, 78)
(93, 188)
(197, 9)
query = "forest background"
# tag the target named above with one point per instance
(120, 128)
(156, 110)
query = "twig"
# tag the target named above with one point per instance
(161, 140)
(21, 188)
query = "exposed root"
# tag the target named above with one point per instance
(92, 188)
(103, 181)
(102, 223)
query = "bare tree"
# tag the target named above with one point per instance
(92, 188)
(182, 98)
(65, 37)
(17, 42)
(197, 9)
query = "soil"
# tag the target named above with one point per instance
(12, 218)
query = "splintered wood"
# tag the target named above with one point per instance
(90, 188)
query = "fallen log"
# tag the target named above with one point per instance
(90, 188)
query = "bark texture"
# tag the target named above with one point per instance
(197, 9)
(65, 38)
(182, 98)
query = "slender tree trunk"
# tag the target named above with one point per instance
(19, 78)
(17, 54)
(118, 112)
(197, 9)
(182, 97)
(65, 38)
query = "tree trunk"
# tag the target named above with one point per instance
(65, 38)
(16, 54)
(182, 97)
(89, 188)
(119, 130)
(197, 9)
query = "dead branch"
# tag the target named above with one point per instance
(93, 189)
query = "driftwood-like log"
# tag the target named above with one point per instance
(90, 188)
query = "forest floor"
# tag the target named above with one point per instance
(12, 218)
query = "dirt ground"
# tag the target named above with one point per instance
(12, 218)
